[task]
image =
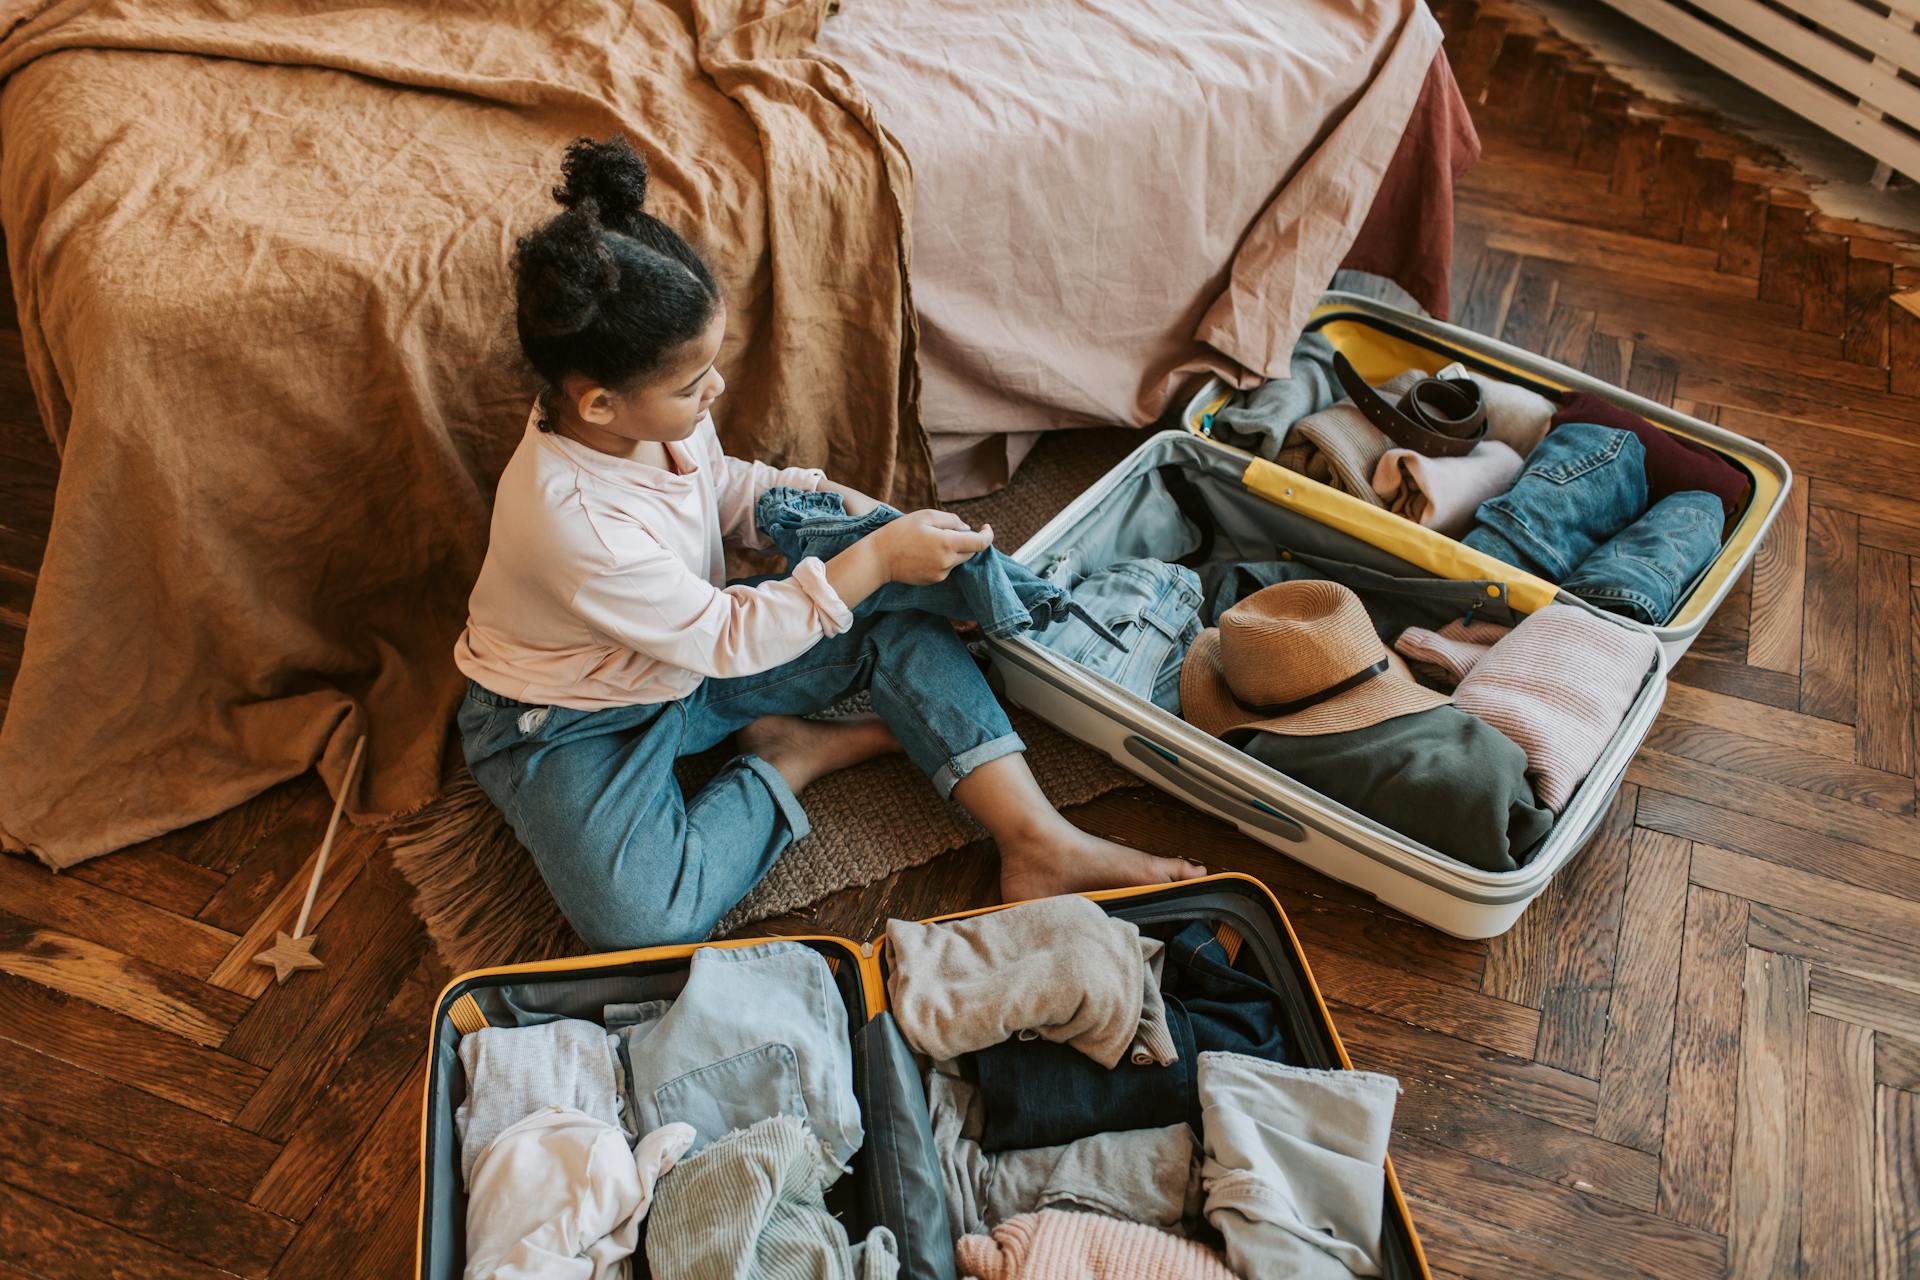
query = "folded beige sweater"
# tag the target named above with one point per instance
(1057, 968)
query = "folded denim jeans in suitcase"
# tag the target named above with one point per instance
(1641, 571)
(992, 589)
(1150, 606)
(1582, 485)
(757, 1031)
(1295, 1169)
(1040, 1094)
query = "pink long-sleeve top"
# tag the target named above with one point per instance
(605, 579)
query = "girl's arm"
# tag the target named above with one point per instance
(654, 604)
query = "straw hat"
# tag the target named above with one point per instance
(1299, 658)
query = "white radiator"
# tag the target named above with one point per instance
(1836, 62)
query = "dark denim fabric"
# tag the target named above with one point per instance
(1037, 1093)
(1151, 607)
(1641, 572)
(1582, 484)
(1393, 603)
(999, 593)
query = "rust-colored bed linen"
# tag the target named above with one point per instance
(261, 259)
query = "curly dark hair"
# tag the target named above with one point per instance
(606, 290)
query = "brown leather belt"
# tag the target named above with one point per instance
(1438, 417)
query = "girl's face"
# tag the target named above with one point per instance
(670, 406)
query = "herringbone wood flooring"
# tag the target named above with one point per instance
(1698, 1054)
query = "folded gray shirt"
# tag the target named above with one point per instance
(512, 1072)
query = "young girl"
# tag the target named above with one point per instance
(604, 642)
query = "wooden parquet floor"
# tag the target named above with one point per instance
(1698, 1054)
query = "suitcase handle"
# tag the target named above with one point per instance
(1246, 809)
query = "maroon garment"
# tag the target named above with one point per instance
(1674, 465)
(1408, 234)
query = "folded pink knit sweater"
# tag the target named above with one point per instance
(1054, 1244)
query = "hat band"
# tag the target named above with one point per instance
(1353, 681)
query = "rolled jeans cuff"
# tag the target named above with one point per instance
(948, 775)
(783, 797)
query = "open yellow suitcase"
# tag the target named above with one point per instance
(896, 1179)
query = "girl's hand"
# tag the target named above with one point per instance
(923, 547)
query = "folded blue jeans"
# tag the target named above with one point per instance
(633, 863)
(1036, 1093)
(1150, 606)
(992, 589)
(1642, 570)
(1581, 485)
(757, 1031)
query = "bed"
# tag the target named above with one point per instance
(1109, 199)
(260, 265)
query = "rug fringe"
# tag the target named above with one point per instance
(474, 886)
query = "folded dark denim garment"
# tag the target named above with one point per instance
(1642, 570)
(1583, 484)
(992, 589)
(1393, 603)
(1040, 1094)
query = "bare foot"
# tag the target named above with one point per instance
(806, 750)
(1061, 858)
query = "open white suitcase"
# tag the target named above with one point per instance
(1259, 510)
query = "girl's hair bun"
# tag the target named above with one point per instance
(609, 176)
(566, 268)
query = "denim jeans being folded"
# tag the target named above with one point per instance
(1583, 484)
(1152, 607)
(1642, 570)
(758, 1031)
(992, 589)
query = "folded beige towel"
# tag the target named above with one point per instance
(1055, 1244)
(1058, 968)
(1559, 685)
(1443, 493)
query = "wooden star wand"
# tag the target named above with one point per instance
(296, 952)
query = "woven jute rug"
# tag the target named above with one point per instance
(482, 899)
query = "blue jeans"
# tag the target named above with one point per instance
(1582, 484)
(1154, 610)
(1641, 572)
(757, 1031)
(632, 863)
(991, 589)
